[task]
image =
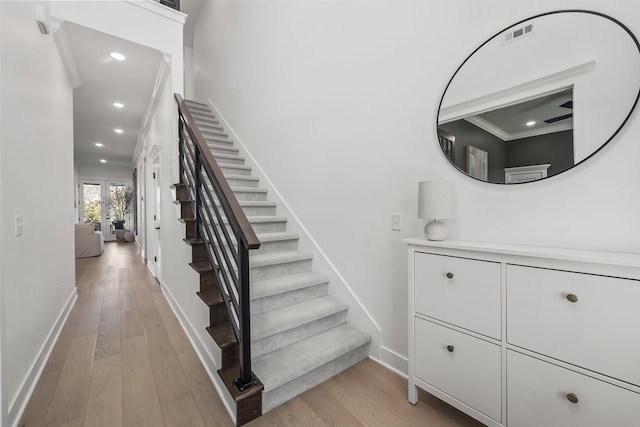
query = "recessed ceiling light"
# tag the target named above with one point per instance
(118, 104)
(118, 56)
(103, 161)
(530, 123)
(118, 130)
(99, 144)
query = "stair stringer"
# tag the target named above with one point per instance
(206, 349)
(357, 314)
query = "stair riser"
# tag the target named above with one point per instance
(251, 196)
(276, 246)
(218, 314)
(185, 210)
(180, 193)
(288, 298)
(253, 183)
(199, 254)
(208, 281)
(285, 338)
(279, 270)
(229, 169)
(190, 230)
(278, 396)
(228, 161)
(224, 150)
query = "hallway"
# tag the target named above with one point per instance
(122, 359)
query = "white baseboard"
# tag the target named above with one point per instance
(207, 359)
(18, 403)
(393, 361)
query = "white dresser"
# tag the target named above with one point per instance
(526, 336)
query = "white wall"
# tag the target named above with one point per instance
(337, 102)
(105, 172)
(36, 175)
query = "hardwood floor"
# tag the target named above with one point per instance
(122, 359)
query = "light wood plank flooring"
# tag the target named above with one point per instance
(122, 359)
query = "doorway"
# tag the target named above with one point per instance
(107, 205)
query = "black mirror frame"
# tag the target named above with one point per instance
(624, 122)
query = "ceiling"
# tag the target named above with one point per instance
(103, 81)
(510, 123)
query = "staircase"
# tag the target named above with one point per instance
(299, 334)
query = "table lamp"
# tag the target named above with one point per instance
(436, 202)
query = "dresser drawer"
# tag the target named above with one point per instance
(469, 370)
(599, 331)
(538, 391)
(460, 291)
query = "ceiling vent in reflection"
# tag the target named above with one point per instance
(517, 33)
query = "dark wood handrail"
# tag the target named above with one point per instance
(237, 218)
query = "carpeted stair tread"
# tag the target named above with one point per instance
(292, 282)
(260, 219)
(236, 167)
(263, 260)
(218, 140)
(195, 103)
(283, 365)
(293, 316)
(225, 148)
(228, 156)
(249, 190)
(241, 177)
(277, 236)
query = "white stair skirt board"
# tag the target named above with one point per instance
(299, 333)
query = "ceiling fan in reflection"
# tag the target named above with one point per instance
(568, 105)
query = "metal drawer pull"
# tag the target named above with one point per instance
(572, 297)
(450, 348)
(450, 275)
(572, 398)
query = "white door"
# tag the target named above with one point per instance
(107, 204)
(117, 209)
(156, 214)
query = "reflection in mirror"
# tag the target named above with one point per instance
(532, 102)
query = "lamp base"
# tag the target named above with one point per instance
(435, 230)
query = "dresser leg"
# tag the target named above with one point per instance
(413, 394)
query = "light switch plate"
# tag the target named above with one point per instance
(395, 222)
(19, 225)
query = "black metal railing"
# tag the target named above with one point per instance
(224, 229)
(173, 4)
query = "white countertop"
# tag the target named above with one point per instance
(621, 259)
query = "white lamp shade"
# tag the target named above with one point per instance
(436, 200)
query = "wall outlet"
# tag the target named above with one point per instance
(395, 222)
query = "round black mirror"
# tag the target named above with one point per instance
(540, 97)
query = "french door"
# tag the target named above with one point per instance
(104, 203)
